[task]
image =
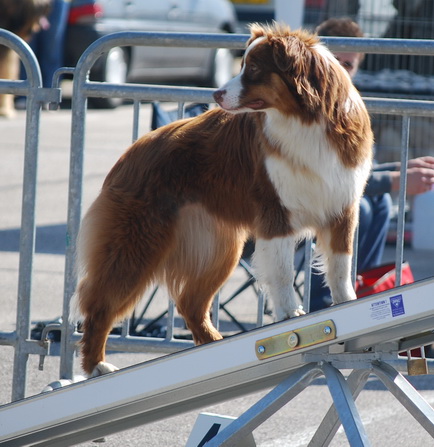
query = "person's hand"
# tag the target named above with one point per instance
(421, 162)
(419, 180)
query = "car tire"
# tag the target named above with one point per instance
(221, 68)
(114, 69)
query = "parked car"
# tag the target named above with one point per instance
(91, 19)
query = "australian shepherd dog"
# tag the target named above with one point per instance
(287, 154)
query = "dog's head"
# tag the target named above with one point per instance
(290, 71)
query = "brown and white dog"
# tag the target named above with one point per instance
(286, 155)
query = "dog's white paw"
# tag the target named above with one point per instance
(343, 298)
(297, 312)
(290, 313)
(103, 368)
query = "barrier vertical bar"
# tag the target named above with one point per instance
(136, 120)
(405, 135)
(27, 233)
(79, 105)
(308, 247)
(27, 246)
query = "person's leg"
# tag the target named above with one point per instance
(320, 295)
(50, 42)
(373, 227)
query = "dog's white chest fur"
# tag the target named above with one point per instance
(312, 181)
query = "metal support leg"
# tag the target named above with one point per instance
(266, 407)
(345, 406)
(331, 422)
(399, 386)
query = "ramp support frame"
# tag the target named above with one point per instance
(343, 411)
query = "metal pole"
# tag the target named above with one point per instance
(27, 246)
(79, 104)
(27, 233)
(402, 196)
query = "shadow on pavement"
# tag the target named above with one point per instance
(50, 239)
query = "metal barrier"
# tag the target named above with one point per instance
(84, 89)
(32, 89)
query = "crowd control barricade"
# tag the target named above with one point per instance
(83, 89)
(31, 88)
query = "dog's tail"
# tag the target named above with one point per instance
(75, 314)
(82, 256)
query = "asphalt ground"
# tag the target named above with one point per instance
(108, 134)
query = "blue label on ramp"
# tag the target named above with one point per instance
(397, 305)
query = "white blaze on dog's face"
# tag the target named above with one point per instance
(232, 91)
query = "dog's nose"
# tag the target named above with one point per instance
(218, 96)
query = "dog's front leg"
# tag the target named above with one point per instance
(274, 262)
(336, 244)
(339, 278)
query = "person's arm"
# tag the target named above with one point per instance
(385, 177)
(379, 182)
(419, 180)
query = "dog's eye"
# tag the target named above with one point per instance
(252, 69)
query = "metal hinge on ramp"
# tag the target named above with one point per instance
(304, 337)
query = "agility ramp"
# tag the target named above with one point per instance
(364, 336)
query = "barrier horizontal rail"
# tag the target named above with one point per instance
(238, 41)
(420, 47)
(390, 106)
(148, 92)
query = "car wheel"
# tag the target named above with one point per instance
(113, 69)
(221, 67)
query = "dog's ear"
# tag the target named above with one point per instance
(286, 53)
(292, 56)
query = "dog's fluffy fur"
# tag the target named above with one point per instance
(288, 153)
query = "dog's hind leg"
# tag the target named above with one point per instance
(274, 264)
(96, 327)
(120, 251)
(206, 255)
(194, 306)
(198, 293)
(104, 300)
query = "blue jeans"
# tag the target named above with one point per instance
(374, 222)
(48, 44)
